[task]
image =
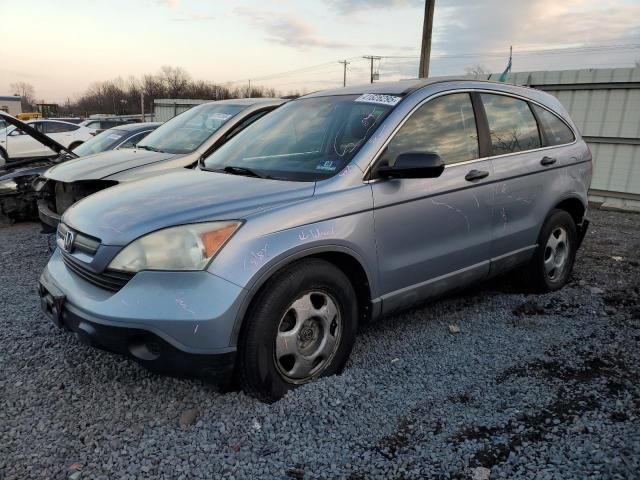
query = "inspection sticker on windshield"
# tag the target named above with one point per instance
(113, 136)
(327, 165)
(381, 99)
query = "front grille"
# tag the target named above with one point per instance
(81, 241)
(66, 194)
(109, 280)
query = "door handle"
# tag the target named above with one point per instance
(476, 175)
(547, 161)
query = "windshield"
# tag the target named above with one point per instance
(100, 143)
(305, 140)
(189, 130)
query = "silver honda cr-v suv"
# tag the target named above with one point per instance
(339, 207)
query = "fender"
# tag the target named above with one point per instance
(262, 276)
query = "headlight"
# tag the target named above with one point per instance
(187, 247)
(8, 186)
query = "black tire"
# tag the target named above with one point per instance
(74, 145)
(259, 372)
(3, 155)
(537, 276)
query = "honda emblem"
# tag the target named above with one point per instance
(68, 241)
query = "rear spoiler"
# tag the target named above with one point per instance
(41, 137)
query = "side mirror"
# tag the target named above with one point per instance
(413, 165)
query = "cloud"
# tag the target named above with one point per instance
(288, 30)
(349, 6)
(169, 3)
(194, 17)
(494, 24)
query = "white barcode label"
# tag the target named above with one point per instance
(376, 98)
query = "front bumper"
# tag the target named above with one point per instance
(48, 218)
(176, 323)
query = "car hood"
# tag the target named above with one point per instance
(24, 172)
(103, 165)
(125, 212)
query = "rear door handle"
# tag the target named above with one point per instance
(476, 175)
(547, 161)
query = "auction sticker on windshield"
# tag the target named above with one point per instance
(381, 99)
(220, 116)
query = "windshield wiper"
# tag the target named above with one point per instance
(242, 171)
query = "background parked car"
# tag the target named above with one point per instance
(17, 195)
(102, 124)
(178, 143)
(17, 144)
(76, 120)
(122, 136)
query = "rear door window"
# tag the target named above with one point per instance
(512, 126)
(58, 127)
(445, 125)
(556, 132)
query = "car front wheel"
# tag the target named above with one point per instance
(301, 327)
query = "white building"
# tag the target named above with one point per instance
(11, 104)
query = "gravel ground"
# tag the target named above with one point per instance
(529, 387)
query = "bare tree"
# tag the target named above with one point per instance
(123, 97)
(27, 94)
(175, 79)
(478, 71)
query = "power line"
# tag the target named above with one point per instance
(292, 72)
(372, 58)
(492, 54)
(548, 51)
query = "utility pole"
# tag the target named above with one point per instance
(427, 29)
(372, 58)
(142, 105)
(344, 76)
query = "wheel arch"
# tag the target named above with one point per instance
(345, 259)
(574, 206)
(75, 144)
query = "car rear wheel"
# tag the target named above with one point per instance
(553, 260)
(301, 327)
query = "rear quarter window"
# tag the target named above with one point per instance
(556, 132)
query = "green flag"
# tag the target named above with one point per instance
(503, 77)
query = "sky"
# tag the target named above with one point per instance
(294, 45)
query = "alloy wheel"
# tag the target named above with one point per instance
(308, 337)
(556, 253)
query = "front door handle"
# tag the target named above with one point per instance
(476, 175)
(547, 161)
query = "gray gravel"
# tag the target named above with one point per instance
(531, 387)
